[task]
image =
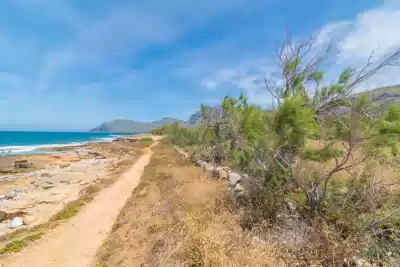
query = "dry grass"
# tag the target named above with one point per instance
(177, 217)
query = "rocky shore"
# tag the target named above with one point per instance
(33, 188)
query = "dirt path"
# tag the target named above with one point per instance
(75, 243)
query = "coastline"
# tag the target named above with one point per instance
(54, 180)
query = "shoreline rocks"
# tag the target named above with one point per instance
(15, 222)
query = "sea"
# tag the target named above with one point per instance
(24, 142)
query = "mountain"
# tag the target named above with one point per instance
(381, 97)
(385, 96)
(130, 126)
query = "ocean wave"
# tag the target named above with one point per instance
(15, 150)
(30, 149)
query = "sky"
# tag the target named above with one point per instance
(72, 64)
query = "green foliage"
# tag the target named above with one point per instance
(321, 155)
(158, 130)
(293, 123)
(345, 76)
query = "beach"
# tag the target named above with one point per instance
(35, 187)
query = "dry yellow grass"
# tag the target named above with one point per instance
(177, 217)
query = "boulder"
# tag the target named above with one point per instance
(233, 178)
(199, 163)
(22, 164)
(28, 219)
(238, 188)
(45, 174)
(16, 222)
(84, 183)
(209, 169)
(64, 165)
(3, 214)
(220, 173)
(11, 194)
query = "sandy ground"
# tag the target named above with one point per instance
(76, 242)
(44, 192)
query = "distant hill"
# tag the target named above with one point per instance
(385, 96)
(130, 126)
(382, 98)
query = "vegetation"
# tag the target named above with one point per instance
(177, 217)
(317, 146)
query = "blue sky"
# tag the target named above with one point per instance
(72, 64)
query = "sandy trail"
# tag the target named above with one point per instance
(75, 243)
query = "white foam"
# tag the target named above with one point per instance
(15, 150)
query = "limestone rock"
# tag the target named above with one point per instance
(199, 163)
(233, 179)
(3, 214)
(22, 164)
(45, 174)
(64, 165)
(83, 183)
(220, 173)
(28, 219)
(209, 169)
(46, 187)
(238, 188)
(16, 222)
(11, 194)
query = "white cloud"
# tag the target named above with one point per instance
(372, 30)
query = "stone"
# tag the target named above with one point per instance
(291, 206)
(209, 169)
(233, 178)
(45, 174)
(28, 219)
(225, 168)
(238, 188)
(83, 183)
(2, 196)
(22, 164)
(15, 223)
(199, 163)
(220, 173)
(11, 194)
(3, 214)
(169, 165)
(64, 165)
(46, 187)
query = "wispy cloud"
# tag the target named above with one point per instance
(373, 30)
(89, 61)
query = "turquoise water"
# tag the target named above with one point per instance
(18, 142)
